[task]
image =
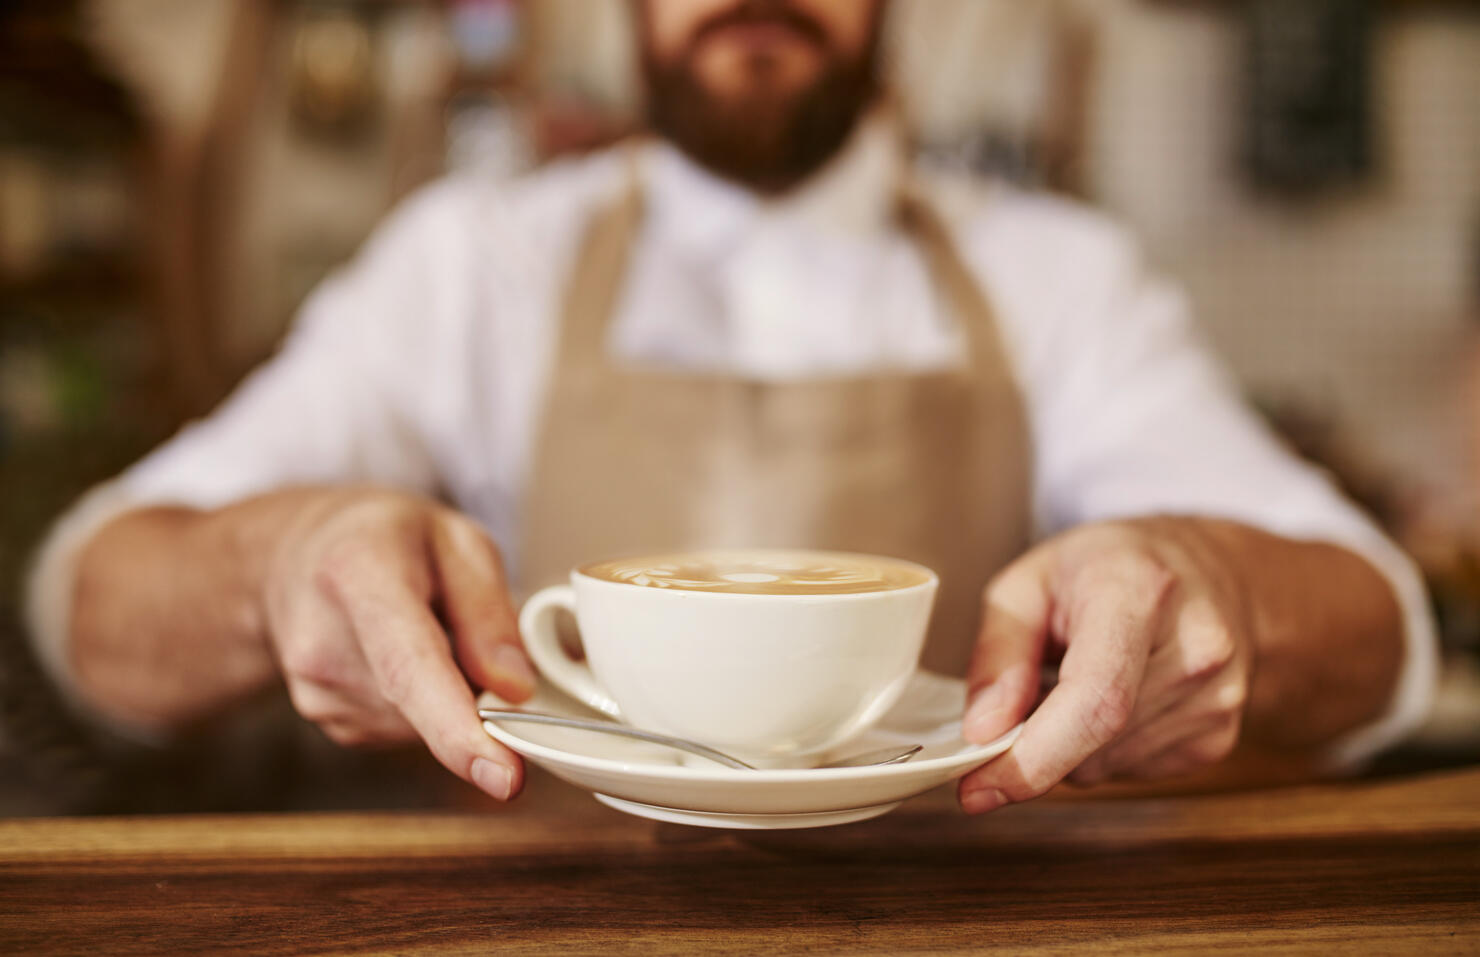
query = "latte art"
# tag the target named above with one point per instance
(755, 572)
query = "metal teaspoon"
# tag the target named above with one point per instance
(881, 756)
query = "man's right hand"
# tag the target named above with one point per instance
(377, 606)
(352, 598)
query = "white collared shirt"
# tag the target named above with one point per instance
(423, 362)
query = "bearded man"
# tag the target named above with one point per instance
(761, 325)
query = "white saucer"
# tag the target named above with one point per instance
(751, 822)
(656, 782)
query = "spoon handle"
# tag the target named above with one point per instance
(607, 727)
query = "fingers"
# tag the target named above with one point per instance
(1113, 614)
(1180, 758)
(413, 668)
(1196, 648)
(476, 599)
(329, 681)
(348, 718)
(1191, 697)
(1190, 745)
(1199, 730)
(1004, 673)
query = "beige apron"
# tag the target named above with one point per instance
(930, 467)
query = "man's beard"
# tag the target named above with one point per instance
(767, 142)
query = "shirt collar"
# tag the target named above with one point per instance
(853, 194)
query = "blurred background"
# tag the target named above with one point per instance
(175, 175)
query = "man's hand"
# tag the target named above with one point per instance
(352, 598)
(377, 607)
(1160, 624)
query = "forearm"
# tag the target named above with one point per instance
(167, 622)
(1328, 636)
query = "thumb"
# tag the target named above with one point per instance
(1002, 680)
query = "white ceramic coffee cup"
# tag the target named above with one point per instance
(771, 678)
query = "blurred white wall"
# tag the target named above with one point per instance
(585, 47)
(1362, 303)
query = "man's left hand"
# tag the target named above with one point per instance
(1154, 628)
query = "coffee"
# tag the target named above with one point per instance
(762, 572)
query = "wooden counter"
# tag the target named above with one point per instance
(1376, 867)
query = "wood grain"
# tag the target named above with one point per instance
(1385, 867)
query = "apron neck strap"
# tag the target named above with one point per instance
(600, 266)
(594, 284)
(953, 278)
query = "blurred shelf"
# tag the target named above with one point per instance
(53, 90)
(96, 282)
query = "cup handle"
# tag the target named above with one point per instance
(542, 641)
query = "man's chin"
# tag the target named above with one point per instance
(755, 114)
(770, 135)
(762, 93)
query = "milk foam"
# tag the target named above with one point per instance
(762, 572)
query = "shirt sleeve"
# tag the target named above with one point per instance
(1132, 416)
(333, 406)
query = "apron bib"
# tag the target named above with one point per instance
(931, 467)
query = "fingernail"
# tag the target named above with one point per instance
(983, 718)
(982, 800)
(510, 661)
(494, 778)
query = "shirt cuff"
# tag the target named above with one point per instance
(1418, 676)
(50, 587)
